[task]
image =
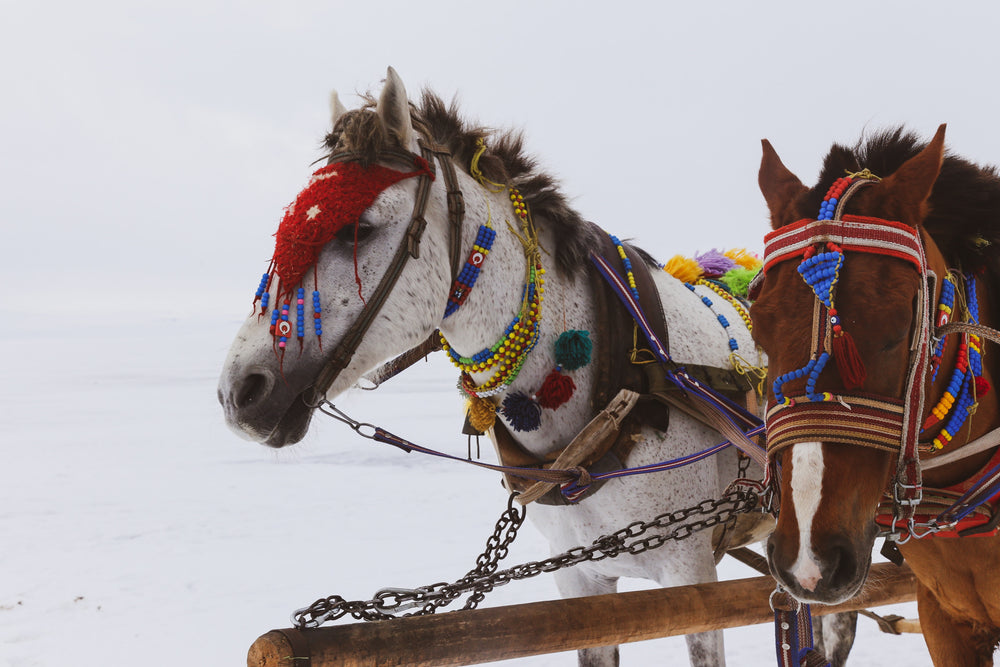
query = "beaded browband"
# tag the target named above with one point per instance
(857, 418)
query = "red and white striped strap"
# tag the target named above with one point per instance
(852, 232)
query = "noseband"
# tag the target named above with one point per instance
(881, 422)
(341, 356)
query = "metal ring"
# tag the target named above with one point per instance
(778, 589)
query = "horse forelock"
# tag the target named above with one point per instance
(964, 204)
(505, 161)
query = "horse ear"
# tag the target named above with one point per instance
(779, 186)
(910, 186)
(394, 109)
(336, 109)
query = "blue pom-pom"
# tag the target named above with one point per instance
(521, 412)
(573, 349)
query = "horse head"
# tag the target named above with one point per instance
(834, 429)
(355, 276)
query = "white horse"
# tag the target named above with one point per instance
(267, 393)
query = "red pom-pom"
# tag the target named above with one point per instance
(556, 390)
(982, 387)
(849, 362)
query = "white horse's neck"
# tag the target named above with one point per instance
(495, 301)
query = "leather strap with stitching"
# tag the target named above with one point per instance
(341, 356)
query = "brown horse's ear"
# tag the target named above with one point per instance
(910, 186)
(779, 186)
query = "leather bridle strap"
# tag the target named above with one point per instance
(341, 356)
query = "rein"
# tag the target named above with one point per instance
(341, 356)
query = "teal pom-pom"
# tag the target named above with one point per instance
(573, 349)
(521, 412)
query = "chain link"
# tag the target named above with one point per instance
(485, 577)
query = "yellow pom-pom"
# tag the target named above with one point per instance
(744, 258)
(683, 268)
(482, 413)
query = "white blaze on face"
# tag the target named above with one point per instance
(807, 487)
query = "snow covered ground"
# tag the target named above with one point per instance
(138, 530)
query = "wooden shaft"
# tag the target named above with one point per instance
(501, 633)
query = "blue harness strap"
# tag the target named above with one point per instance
(732, 420)
(793, 632)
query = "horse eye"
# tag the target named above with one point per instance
(349, 233)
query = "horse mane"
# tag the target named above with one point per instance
(504, 161)
(964, 204)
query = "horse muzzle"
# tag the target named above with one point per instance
(260, 406)
(830, 573)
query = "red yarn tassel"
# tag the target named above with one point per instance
(555, 390)
(849, 362)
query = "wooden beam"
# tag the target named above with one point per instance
(501, 633)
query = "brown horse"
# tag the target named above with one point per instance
(868, 302)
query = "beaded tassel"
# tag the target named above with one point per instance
(300, 315)
(318, 318)
(262, 294)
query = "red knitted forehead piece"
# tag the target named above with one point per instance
(336, 196)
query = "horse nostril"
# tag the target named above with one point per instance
(251, 389)
(843, 566)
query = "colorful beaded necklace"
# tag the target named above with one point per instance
(966, 384)
(508, 354)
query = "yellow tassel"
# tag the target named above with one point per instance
(482, 413)
(683, 268)
(744, 258)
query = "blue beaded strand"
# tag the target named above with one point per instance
(317, 315)
(262, 287)
(811, 372)
(300, 314)
(733, 345)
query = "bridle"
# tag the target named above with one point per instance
(880, 422)
(342, 354)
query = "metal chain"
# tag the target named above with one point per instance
(485, 577)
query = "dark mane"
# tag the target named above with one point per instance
(965, 202)
(504, 161)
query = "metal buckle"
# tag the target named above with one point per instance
(916, 500)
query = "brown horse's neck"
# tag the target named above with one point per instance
(986, 415)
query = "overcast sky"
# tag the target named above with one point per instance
(148, 148)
